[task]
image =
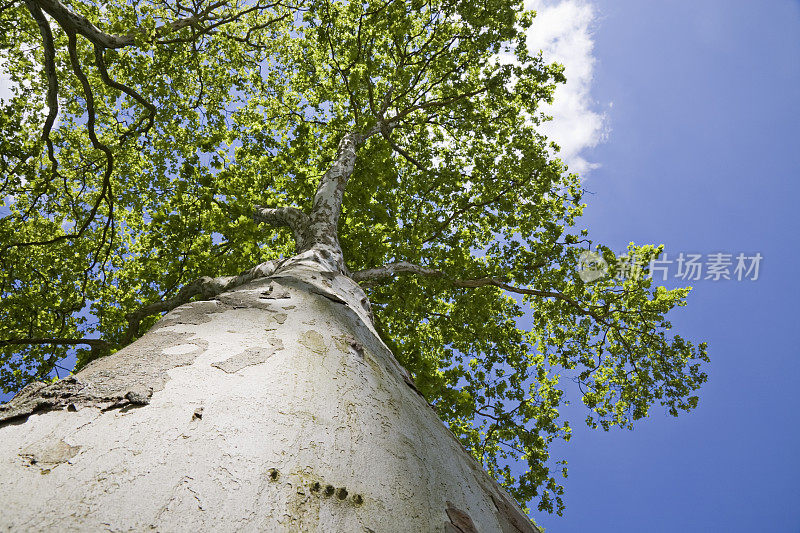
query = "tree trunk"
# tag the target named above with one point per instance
(273, 407)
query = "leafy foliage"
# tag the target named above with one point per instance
(164, 145)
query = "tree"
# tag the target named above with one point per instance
(379, 156)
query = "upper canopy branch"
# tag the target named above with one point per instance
(319, 229)
(105, 194)
(50, 71)
(74, 22)
(327, 205)
(373, 275)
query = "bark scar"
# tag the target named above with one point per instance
(460, 522)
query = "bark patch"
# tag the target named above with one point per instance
(68, 393)
(142, 365)
(49, 454)
(319, 287)
(251, 295)
(460, 522)
(276, 318)
(313, 341)
(243, 300)
(348, 344)
(249, 357)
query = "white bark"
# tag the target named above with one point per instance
(273, 407)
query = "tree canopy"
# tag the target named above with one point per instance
(146, 143)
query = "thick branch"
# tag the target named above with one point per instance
(327, 206)
(388, 271)
(73, 22)
(49, 69)
(290, 217)
(206, 287)
(373, 275)
(105, 193)
(404, 153)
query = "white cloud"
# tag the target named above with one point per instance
(562, 31)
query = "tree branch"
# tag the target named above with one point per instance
(50, 71)
(99, 55)
(94, 343)
(105, 193)
(73, 22)
(290, 217)
(327, 205)
(388, 271)
(205, 286)
(404, 153)
(373, 275)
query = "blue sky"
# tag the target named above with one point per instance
(697, 147)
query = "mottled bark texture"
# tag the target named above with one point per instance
(272, 405)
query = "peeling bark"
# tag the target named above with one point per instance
(460, 522)
(205, 287)
(128, 378)
(255, 423)
(69, 393)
